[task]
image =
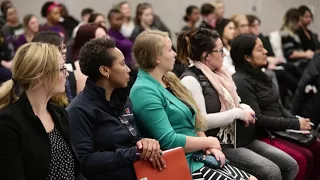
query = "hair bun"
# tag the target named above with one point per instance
(185, 18)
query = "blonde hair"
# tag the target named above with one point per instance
(60, 99)
(185, 96)
(216, 2)
(34, 65)
(149, 45)
(237, 18)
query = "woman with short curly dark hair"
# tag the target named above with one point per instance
(101, 118)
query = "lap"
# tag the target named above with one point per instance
(298, 152)
(280, 158)
(246, 158)
(250, 161)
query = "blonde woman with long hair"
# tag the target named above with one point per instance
(160, 100)
(34, 132)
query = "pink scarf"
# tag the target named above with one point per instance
(220, 79)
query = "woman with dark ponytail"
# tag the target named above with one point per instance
(214, 91)
(191, 17)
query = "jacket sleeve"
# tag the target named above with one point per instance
(248, 96)
(136, 31)
(288, 46)
(151, 114)
(91, 159)
(11, 165)
(308, 77)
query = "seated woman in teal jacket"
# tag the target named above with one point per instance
(166, 111)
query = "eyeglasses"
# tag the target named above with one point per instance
(63, 71)
(131, 129)
(62, 48)
(220, 51)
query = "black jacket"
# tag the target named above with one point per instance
(69, 24)
(306, 43)
(205, 25)
(25, 151)
(308, 104)
(105, 146)
(257, 90)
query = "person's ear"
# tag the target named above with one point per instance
(158, 60)
(104, 71)
(248, 58)
(205, 56)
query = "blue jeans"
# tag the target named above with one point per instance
(263, 161)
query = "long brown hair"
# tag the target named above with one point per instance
(185, 96)
(139, 11)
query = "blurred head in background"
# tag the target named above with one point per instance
(97, 18)
(254, 25)
(306, 16)
(291, 20)
(31, 23)
(144, 14)
(192, 14)
(125, 9)
(52, 12)
(220, 9)
(208, 14)
(242, 24)
(85, 14)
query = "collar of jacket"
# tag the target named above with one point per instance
(255, 73)
(172, 98)
(59, 117)
(117, 101)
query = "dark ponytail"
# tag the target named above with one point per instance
(184, 47)
(192, 44)
(185, 18)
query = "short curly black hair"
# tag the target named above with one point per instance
(94, 54)
(45, 7)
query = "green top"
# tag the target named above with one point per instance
(162, 116)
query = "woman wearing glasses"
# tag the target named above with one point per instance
(34, 133)
(55, 39)
(102, 123)
(214, 91)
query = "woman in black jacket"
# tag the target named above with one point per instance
(309, 40)
(101, 117)
(34, 134)
(257, 90)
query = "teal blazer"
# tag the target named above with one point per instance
(162, 116)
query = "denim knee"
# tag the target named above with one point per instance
(269, 172)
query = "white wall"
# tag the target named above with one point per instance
(171, 11)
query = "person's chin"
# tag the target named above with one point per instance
(125, 85)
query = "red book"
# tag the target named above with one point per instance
(176, 167)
